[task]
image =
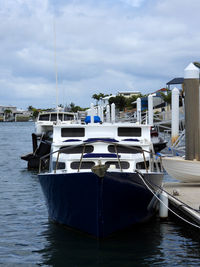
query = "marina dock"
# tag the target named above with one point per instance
(184, 199)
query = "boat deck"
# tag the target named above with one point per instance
(188, 193)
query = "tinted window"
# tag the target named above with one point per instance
(68, 117)
(54, 117)
(124, 149)
(44, 117)
(129, 132)
(60, 165)
(73, 132)
(77, 150)
(124, 164)
(84, 165)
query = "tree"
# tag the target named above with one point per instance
(73, 108)
(119, 101)
(7, 113)
(30, 108)
(130, 100)
(167, 98)
(35, 112)
(99, 96)
(96, 97)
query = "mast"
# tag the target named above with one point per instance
(56, 71)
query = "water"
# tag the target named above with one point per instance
(27, 238)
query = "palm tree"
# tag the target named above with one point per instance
(7, 113)
(96, 97)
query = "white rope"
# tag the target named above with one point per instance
(195, 225)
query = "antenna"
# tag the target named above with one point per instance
(56, 67)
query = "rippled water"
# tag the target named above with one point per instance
(27, 238)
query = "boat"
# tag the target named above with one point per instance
(98, 176)
(158, 142)
(187, 171)
(42, 137)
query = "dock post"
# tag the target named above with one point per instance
(139, 110)
(175, 115)
(113, 112)
(150, 109)
(92, 113)
(101, 112)
(108, 113)
(192, 112)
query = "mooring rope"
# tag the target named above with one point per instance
(143, 180)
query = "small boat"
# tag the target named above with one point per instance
(187, 171)
(95, 183)
(158, 142)
(42, 138)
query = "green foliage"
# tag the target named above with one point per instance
(35, 112)
(99, 96)
(122, 102)
(130, 100)
(167, 98)
(7, 111)
(119, 101)
(30, 108)
(73, 108)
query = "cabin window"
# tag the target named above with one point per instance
(44, 117)
(84, 165)
(141, 165)
(54, 117)
(68, 117)
(60, 165)
(76, 150)
(73, 132)
(129, 132)
(124, 164)
(125, 149)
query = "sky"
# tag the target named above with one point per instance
(102, 46)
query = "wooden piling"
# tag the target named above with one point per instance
(192, 113)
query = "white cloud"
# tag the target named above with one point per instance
(134, 3)
(104, 46)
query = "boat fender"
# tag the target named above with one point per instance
(163, 208)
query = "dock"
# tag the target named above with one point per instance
(184, 199)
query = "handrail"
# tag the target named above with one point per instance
(81, 158)
(95, 141)
(118, 157)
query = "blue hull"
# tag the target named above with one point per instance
(97, 206)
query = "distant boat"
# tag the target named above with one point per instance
(187, 171)
(93, 184)
(42, 138)
(158, 142)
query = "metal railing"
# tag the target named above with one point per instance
(155, 160)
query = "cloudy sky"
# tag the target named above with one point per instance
(102, 46)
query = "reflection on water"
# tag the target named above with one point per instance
(27, 238)
(157, 243)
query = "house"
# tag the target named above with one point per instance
(129, 93)
(10, 113)
(105, 100)
(175, 81)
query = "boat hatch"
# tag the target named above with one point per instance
(129, 132)
(73, 132)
